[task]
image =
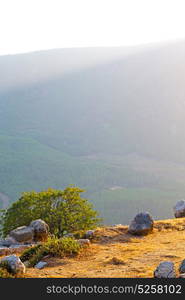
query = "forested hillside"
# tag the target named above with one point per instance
(110, 120)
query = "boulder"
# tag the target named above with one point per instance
(41, 230)
(182, 267)
(165, 270)
(179, 209)
(40, 265)
(23, 234)
(38, 230)
(141, 225)
(13, 264)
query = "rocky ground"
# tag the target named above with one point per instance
(115, 253)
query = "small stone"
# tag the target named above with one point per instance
(40, 265)
(84, 242)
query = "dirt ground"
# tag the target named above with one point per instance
(115, 253)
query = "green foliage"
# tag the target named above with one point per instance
(63, 210)
(55, 247)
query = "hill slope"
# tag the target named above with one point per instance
(109, 120)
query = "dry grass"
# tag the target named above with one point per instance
(115, 253)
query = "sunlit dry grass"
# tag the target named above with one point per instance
(115, 253)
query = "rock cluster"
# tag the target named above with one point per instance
(24, 237)
(17, 241)
(38, 230)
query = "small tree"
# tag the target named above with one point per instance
(63, 210)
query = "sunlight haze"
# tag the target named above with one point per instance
(31, 25)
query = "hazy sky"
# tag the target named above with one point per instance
(28, 25)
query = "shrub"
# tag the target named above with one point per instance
(65, 246)
(28, 253)
(55, 247)
(63, 210)
(5, 274)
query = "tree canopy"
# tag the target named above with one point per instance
(65, 211)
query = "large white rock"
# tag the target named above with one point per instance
(13, 264)
(165, 270)
(179, 209)
(142, 224)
